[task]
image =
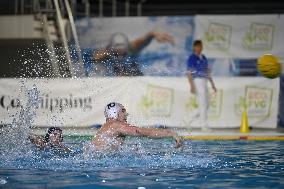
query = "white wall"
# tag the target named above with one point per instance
(17, 27)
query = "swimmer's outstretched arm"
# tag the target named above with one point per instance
(142, 42)
(161, 133)
(127, 129)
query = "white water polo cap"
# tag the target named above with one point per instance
(112, 110)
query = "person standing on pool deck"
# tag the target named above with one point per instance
(112, 134)
(198, 76)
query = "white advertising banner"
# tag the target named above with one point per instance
(149, 101)
(155, 57)
(240, 36)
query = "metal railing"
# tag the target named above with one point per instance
(50, 46)
(75, 36)
(57, 9)
(31, 6)
(63, 37)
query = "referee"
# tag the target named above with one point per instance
(198, 76)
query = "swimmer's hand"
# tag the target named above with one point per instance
(163, 37)
(37, 140)
(179, 141)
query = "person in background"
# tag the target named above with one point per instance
(112, 134)
(53, 139)
(198, 76)
(120, 56)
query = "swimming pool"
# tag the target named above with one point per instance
(149, 164)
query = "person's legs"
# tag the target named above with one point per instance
(189, 119)
(203, 101)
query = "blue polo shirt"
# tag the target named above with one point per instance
(198, 65)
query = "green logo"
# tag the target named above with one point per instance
(259, 37)
(257, 100)
(215, 104)
(191, 104)
(218, 36)
(157, 102)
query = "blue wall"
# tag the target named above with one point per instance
(281, 104)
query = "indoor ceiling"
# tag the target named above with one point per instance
(164, 7)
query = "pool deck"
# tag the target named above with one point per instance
(233, 134)
(195, 134)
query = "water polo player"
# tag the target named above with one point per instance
(112, 134)
(52, 139)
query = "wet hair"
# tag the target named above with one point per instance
(50, 130)
(197, 43)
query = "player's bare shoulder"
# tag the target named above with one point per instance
(111, 127)
(116, 126)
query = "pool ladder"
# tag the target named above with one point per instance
(56, 30)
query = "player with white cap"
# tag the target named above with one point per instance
(112, 134)
(112, 110)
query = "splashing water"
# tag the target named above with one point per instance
(143, 163)
(154, 165)
(140, 163)
(14, 136)
(18, 152)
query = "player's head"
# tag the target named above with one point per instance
(54, 135)
(119, 44)
(197, 46)
(116, 111)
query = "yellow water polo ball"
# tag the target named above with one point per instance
(269, 66)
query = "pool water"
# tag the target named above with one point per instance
(145, 163)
